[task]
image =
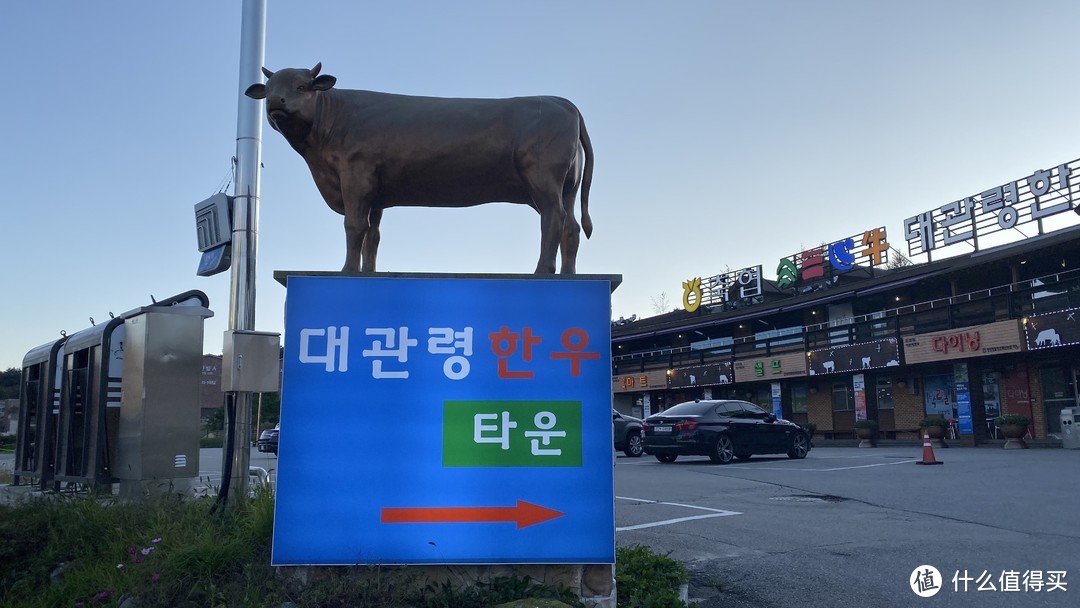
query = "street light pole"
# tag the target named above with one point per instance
(246, 223)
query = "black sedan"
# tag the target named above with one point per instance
(627, 433)
(721, 430)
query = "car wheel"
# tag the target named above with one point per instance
(633, 446)
(666, 458)
(723, 450)
(800, 445)
(743, 456)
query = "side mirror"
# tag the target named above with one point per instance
(770, 418)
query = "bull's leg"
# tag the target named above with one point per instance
(552, 218)
(356, 194)
(571, 235)
(356, 228)
(371, 241)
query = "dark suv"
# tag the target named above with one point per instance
(268, 439)
(627, 434)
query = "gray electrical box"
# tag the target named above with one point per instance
(158, 435)
(1070, 433)
(251, 362)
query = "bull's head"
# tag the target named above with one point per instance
(290, 93)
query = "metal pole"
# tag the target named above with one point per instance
(246, 220)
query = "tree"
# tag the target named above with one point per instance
(660, 303)
(9, 383)
(897, 259)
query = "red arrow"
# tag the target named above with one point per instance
(525, 514)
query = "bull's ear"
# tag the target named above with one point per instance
(323, 83)
(267, 73)
(256, 91)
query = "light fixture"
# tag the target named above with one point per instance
(897, 298)
(901, 384)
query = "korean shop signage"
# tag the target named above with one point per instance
(869, 249)
(644, 381)
(428, 421)
(770, 368)
(1060, 328)
(740, 286)
(1044, 193)
(701, 375)
(974, 341)
(853, 357)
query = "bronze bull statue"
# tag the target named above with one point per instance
(368, 151)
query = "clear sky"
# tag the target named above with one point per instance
(727, 134)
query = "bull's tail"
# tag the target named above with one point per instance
(586, 180)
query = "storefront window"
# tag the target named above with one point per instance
(991, 394)
(798, 398)
(884, 394)
(841, 397)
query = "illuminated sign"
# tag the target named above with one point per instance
(1044, 193)
(729, 288)
(701, 375)
(424, 421)
(871, 248)
(769, 368)
(1061, 328)
(642, 381)
(854, 357)
(975, 341)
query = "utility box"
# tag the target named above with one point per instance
(159, 414)
(251, 362)
(1070, 433)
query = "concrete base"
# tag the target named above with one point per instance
(867, 443)
(1016, 444)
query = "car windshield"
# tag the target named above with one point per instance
(690, 408)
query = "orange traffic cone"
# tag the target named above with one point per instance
(927, 451)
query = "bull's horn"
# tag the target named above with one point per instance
(315, 70)
(267, 73)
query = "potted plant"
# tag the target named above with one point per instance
(1014, 427)
(866, 431)
(934, 427)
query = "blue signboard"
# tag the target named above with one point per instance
(963, 409)
(445, 420)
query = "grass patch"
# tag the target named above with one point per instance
(211, 442)
(77, 550)
(646, 579)
(67, 551)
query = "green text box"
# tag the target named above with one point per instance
(512, 433)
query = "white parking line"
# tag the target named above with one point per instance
(667, 522)
(862, 466)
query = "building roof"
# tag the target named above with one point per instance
(846, 288)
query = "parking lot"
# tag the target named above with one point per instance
(849, 527)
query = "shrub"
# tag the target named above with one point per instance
(1012, 419)
(866, 424)
(930, 421)
(644, 578)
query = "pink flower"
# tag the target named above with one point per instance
(138, 560)
(147, 550)
(131, 551)
(156, 577)
(104, 595)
